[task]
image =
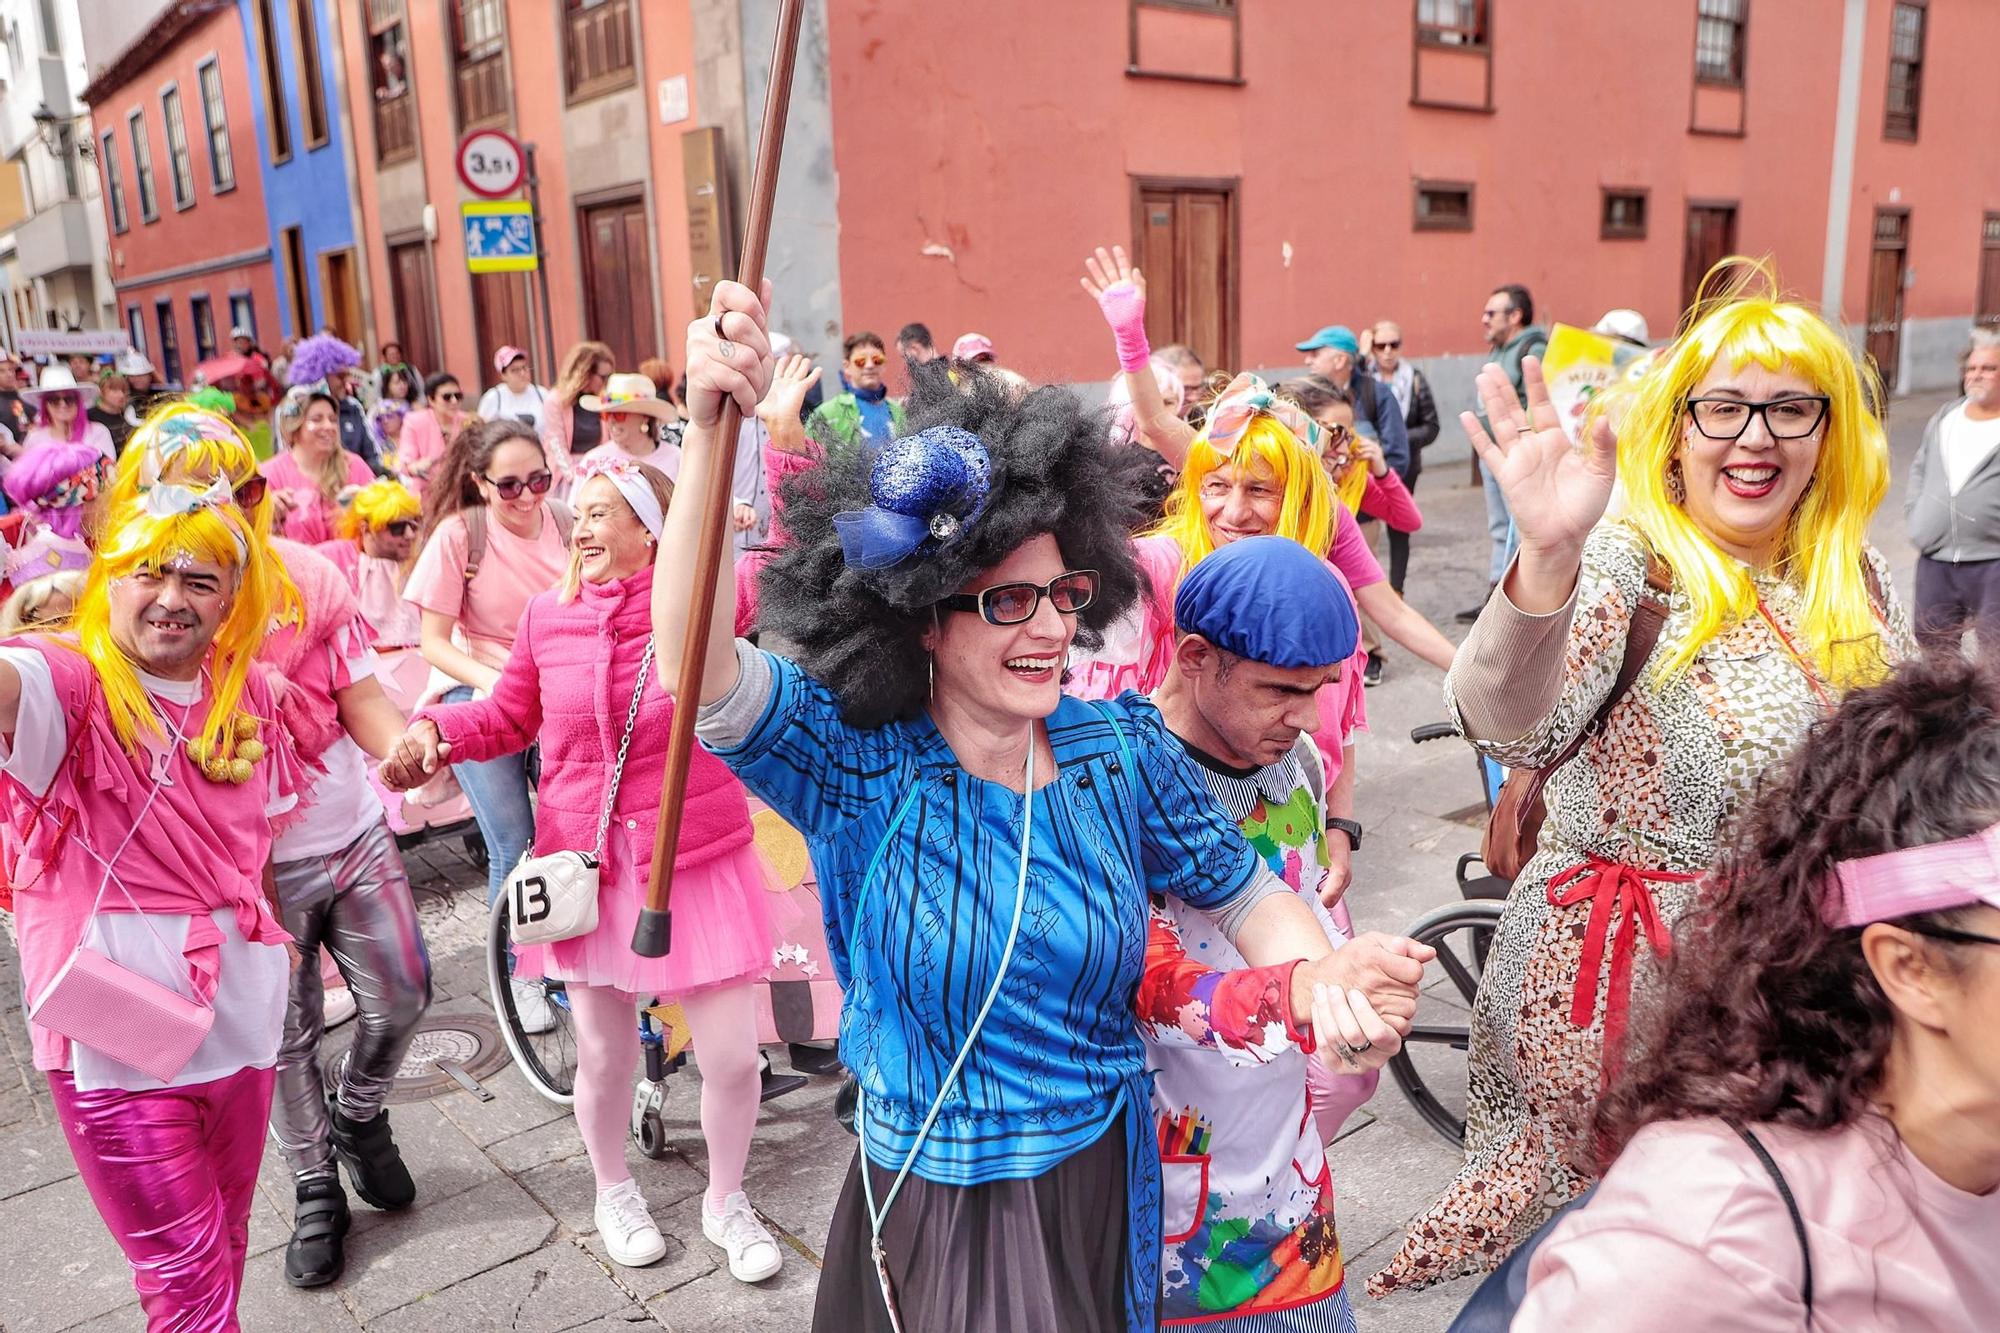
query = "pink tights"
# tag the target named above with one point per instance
(172, 1172)
(723, 1022)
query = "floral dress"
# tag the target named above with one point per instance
(1632, 823)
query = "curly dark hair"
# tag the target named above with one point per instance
(860, 631)
(1766, 1012)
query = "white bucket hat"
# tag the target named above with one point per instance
(57, 379)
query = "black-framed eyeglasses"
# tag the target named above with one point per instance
(1012, 603)
(1790, 418)
(510, 488)
(249, 493)
(452, 396)
(1950, 933)
(402, 527)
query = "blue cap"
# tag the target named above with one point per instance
(1337, 336)
(1269, 600)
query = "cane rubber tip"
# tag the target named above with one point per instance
(654, 934)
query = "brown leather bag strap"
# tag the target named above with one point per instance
(1648, 618)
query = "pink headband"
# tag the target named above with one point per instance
(1930, 878)
(631, 483)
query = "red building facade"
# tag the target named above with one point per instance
(177, 156)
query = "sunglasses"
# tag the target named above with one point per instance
(510, 488)
(1388, 344)
(1337, 436)
(451, 397)
(872, 359)
(402, 527)
(1950, 933)
(1012, 603)
(250, 493)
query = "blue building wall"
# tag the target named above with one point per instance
(311, 189)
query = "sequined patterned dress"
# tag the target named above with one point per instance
(1631, 822)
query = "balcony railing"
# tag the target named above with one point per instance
(482, 90)
(598, 47)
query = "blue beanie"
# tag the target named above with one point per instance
(1269, 600)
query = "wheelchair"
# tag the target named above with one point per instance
(1430, 1069)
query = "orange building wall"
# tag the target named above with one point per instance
(1008, 135)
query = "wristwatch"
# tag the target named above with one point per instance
(1348, 826)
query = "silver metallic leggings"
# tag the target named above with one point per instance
(356, 904)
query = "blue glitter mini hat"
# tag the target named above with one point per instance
(927, 489)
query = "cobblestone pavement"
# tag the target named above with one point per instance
(501, 1236)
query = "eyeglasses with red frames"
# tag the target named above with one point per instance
(1014, 603)
(510, 488)
(249, 492)
(870, 359)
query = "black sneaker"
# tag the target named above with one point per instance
(317, 1253)
(1371, 675)
(368, 1151)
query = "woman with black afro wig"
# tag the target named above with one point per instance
(984, 845)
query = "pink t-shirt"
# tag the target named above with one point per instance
(311, 518)
(488, 608)
(1687, 1231)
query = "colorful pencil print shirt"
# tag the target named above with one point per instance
(1247, 1197)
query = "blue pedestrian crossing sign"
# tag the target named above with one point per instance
(499, 236)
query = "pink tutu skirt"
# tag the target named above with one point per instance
(726, 923)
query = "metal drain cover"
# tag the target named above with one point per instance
(470, 1040)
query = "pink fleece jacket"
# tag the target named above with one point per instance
(568, 683)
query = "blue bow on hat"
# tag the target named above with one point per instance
(927, 489)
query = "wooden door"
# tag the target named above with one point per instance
(414, 303)
(340, 294)
(1711, 238)
(1987, 312)
(618, 280)
(1885, 292)
(500, 319)
(1184, 238)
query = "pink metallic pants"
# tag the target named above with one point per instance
(172, 1173)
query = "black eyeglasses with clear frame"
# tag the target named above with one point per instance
(1949, 933)
(1013, 603)
(1793, 417)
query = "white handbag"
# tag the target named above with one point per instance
(554, 897)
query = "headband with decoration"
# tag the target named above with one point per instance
(927, 489)
(1243, 401)
(175, 501)
(632, 484)
(1930, 878)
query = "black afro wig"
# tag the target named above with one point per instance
(1053, 471)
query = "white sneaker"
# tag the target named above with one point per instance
(630, 1236)
(339, 1007)
(753, 1255)
(531, 1007)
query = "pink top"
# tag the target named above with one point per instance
(94, 433)
(378, 585)
(202, 845)
(488, 608)
(1386, 498)
(569, 685)
(294, 649)
(311, 518)
(779, 467)
(422, 442)
(1687, 1231)
(1140, 647)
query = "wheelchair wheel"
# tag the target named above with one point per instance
(546, 1059)
(1430, 1069)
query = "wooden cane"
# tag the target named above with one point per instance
(653, 935)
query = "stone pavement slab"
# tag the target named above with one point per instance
(557, 1287)
(390, 1266)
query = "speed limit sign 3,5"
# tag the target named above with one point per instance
(491, 163)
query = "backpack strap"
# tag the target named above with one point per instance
(1770, 1165)
(475, 539)
(565, 518)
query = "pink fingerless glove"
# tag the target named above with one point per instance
(1124, 310)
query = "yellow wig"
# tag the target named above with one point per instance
(191, 446)
(134, 540)
(377, 505)
(1305, 515)
(1821, 553)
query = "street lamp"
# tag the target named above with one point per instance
(52, 128)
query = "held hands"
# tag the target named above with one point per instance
(1386, 968)
(742, 517)
(415, 757)
(1555, 491)
(729, 354)
(1351, 1037)
(1119, 289)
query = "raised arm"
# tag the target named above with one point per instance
(1119, 289)
(791, 380)
(728, 357)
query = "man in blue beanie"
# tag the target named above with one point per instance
(1246, 1098)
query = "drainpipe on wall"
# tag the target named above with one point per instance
(1840, 182)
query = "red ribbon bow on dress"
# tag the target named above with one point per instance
(1611, 886)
